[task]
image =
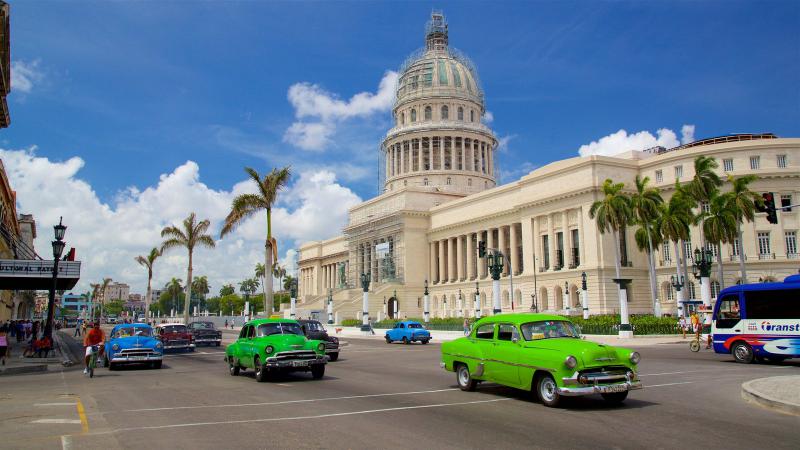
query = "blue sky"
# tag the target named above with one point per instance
(137, 89)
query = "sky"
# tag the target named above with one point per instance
(128, 115)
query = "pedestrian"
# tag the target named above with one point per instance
(4, 343)
(682, 324)
(466, 326)
(695, 325)
(226, 323)
(77, 332)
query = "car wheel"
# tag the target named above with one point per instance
(615, 397)
(425, 341)
(261, 370)
(218, 344)
(742, 353)
(405, 340)
(233, 369)
(464, 378)
(157, 365)
(318, 371)
(388, 340)
(334, 356)
(547, 391)
(112, 366)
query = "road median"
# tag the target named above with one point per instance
(780, 394)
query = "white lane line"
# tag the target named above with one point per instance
(283, 384)
(76, 421)
(55, 404)
(291, 401)
(319, 416)
(667, 384)
(66, 442)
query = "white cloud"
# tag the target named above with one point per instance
(503, 141)
(488, 117)
(621, 141)
(687, 134)
(108, 235)
(326, 110)
(520, 170)
(25, 75)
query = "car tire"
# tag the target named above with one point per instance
(218, 343)
(112, 366)
(334, 356)
(547, 391)
(388, 339)
(742, 352)
(425, 341)
(233, 369)
(318, 371)
(405, 340)
(157, 365)
(615, 397)
(261, 370)
(464, 378)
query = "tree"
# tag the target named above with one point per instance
(703, 187)
(743, 203)
(114, 307)
(148, 261)
(192, 234)
(613, 213)
(720, 226)
(247, 205)
(279, 272)
(287, 283)
(227, 289)
(644, 206)
(102, 291)
(675, 217)
(200, 289)
(172, 290)
(260, 273)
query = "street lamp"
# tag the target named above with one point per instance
(58, 248)
(396, 304)
(566, 296)
(584, 296)
(477, 301)
(496, 268)
(365, 280)
(426, 313)
(702, 266)
(678, 281)
(460, 304)
(330, 306)
(534, 307)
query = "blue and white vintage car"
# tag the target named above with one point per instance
(131, 343)
(408, 331)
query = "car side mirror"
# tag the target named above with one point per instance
(515, 339)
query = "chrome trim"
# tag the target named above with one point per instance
(596, 378)
(457, 355)
(597, 389)
(479, 370)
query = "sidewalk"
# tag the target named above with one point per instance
(17, 364)
(779, 393)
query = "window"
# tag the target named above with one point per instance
(546, 251)
(448, 180)
(506, 332)
(791, 243)
(413, 115)
(576, 245)
(460, 113)
(445, 112)
(728, 313)
(472, 116)
(559, 250)
(665, 252)
(755, 162)
(691, 291)
(678, 171)
(735, 247)
(774, 304)
(786, 202)
(485, 331)
(659, 176)
(763, 243)
(727, 165)
(424, 181)
(705, 207)
(428, 113)
(687, 248)
(714, 289)
(402, 118)
(469, 181)
(782, 161)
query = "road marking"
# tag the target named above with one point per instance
(66, 442)
(55, 404)
(76, 421)
(667, 384)
(82, 414)
(319, 416)
(283, 384)
(291, 401)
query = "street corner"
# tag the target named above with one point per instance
(781, 394)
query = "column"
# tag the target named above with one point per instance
(442, 275)
(441, 153)
(451, 260)
(470, 257)
(402, 157)
(501, 237)
(463, 156)
(387, 161)
(528, 243)
(419, 155)
(582, 243)
(567, 245)
(490, 243)
(460, 258)
(514, 249)
(432, 269)
(553, 243)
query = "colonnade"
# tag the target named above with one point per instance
(439, 153)
(367, 259)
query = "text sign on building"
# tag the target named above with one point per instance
(35, 268)
(382, 249)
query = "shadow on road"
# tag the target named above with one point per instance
(583, 403)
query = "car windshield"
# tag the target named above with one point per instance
(314, 326)
(175, 329)
(203, 325)
(414, 325)
(268, 329)
(548, 329)
(131, 331)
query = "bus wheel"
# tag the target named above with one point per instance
(742, 353)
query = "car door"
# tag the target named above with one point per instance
(243, 351)
(484, 350)
(506, 351)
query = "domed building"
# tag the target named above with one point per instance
(440, 198)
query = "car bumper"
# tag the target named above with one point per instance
(600, 383)
(207, 340)
(296, 364)
(168, 346)
(134, 359)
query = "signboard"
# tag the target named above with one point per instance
(19, 274)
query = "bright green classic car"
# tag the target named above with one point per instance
(543, 353)
(272, 346)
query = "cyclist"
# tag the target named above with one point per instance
(95, 336)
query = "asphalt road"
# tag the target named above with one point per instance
(385, 396)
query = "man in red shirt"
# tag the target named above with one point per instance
(95, 336)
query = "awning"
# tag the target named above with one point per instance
(20, 274)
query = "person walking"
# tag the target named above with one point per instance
(4, 343)
(466, 326)
(682, 324)
(226, 324)
(78, 325)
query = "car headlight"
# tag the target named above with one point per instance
(269, 350)
(571, 362)
(115, 347)
(321, 347)
(159, 345)
(335, 340)
(635, 357)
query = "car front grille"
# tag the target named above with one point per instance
(604, 374)
(296, 354)
(331, 345)
(136, 352)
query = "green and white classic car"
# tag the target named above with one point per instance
(272, 346)
(541, 353)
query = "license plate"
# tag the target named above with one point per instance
(298, 363)
(137, 358)
(614, 388)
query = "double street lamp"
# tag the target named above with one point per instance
(58, 249)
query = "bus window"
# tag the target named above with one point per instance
(728, 314)
(774, 304)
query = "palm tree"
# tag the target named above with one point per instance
(102, 291)
(148, 261)
(613, 213)
(261, 272)
(192, 234)
(719, 226)
(675, 217)
(703, 187)
(226, 289)
(246, 205)
(743, 203)
(644, 205)
(287, 282)
(200, 287)
(95, 290)
(174, 288)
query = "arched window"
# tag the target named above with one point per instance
(405, 182)
(448, 180)
(460, 113)
(469, 181)
(413, 115)
(424, 181)
(428, 113)
(472, 116)
(445, 112)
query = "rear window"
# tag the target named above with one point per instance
(414, 325)
(777, 304)
(175, 329)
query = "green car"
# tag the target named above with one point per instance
(273, 346)
(540, 352)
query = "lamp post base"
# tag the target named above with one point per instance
(625, 334)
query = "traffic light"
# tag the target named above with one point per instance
(769, 207)
(481, 249)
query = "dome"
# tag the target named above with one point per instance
(438, 70)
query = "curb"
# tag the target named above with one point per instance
(65, 348)
(750, 394)
(24, 369)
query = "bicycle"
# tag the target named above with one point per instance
(93, 360)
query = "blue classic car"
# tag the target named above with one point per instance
(133, 343)
(408, 331)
